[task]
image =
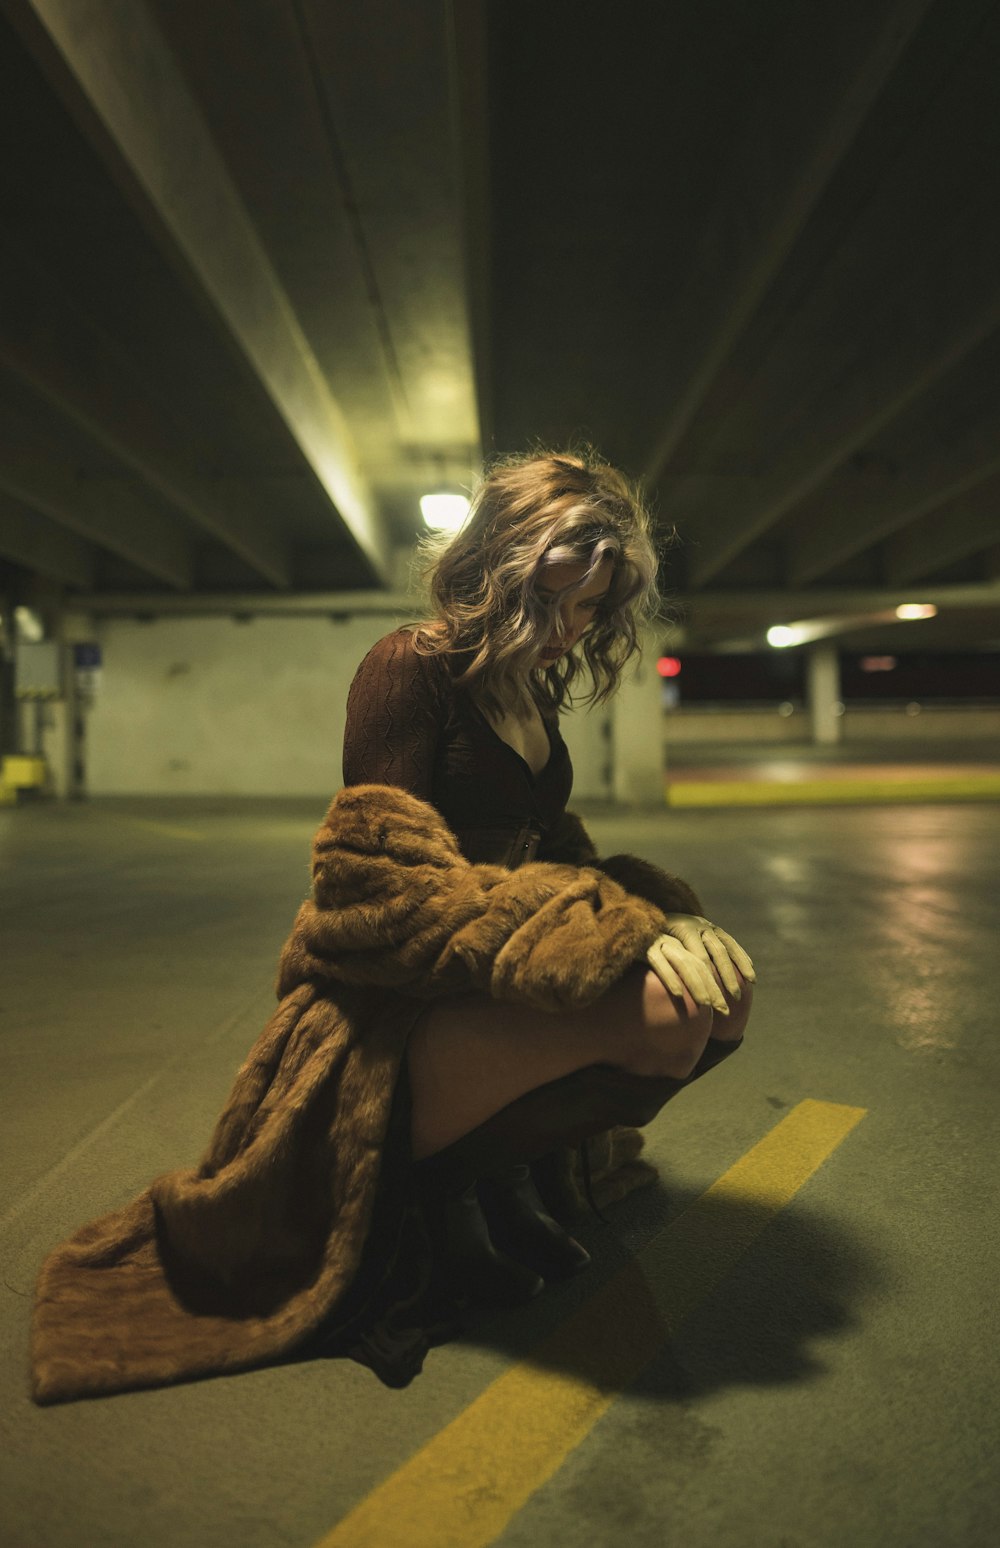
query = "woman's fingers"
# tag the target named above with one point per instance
(664, 972)
(668, 955)
(738, 955)
(715, 948)
(721, 957)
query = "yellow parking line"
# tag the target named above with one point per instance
(839, 792)
(464, 1486)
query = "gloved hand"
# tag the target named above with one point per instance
(712, 947)
(679, 969)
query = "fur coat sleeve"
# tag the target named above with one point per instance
(394, 902)
(239, 1261)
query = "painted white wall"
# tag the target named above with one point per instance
(199, 706)
(209, 706)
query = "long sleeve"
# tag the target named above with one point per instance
(395, 710)
(569, 843)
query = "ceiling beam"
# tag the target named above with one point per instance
(64, 358)
(39, 545)
(404, 189)
(907, 293)
(965, 526)
(752, 505)
(754, 253)
(856, 508)
(117, 74)
(781, 606)
(468, 79)
(100, 509)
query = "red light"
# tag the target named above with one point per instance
(668, 666)
(877, 663)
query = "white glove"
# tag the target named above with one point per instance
(713, 947)
(679, 969)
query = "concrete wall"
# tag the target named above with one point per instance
(206, 706)
(195, 706)
(211, 706)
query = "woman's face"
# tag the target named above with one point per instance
(576, 612)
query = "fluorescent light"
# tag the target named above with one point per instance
(444, 512)
(916, 610)
(781, 635)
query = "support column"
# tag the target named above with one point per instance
(637, 734)
(823, 694)
(587, 734)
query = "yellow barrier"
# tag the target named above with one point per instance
(823, 792)
(23, 773)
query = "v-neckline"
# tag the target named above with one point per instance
(534, 778)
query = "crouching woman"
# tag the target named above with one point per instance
(543, 589)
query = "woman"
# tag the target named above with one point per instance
(449, 1017)
(544, 585)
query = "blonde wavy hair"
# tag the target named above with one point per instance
(531, 511)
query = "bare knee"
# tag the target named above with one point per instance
(671, 1033)
(730, 1029)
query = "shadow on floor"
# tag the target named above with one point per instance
(801, 1282)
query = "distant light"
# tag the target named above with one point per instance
(29, 624)
(781, 635)
(668, 666)
(916, 610)
(444, 512)
(878, 663)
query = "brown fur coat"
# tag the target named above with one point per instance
(240, 1261)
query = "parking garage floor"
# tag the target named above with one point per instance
(790, 1342)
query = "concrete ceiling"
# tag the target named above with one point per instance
(271, 269)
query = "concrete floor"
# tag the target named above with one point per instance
(839, 1385)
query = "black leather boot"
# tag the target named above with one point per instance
(521, 1226)
(463, 1246)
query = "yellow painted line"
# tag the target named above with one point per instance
(464, 1486)
(165, 829)
(840, 792)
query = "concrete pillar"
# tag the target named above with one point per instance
(637, 734)
(823, 694)
(587, 734)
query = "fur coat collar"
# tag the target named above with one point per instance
(238, 1262)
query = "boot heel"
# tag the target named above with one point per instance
(466, 1253)
(521, 1226)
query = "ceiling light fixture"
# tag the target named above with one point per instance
(916, 610)
(780, 635)
(444, 512)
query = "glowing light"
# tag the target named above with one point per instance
(780, 635)
(916, 610)
(444, 512)
(29, 625)
(878, 663)
(668, 666)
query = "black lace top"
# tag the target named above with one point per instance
(408, 725)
